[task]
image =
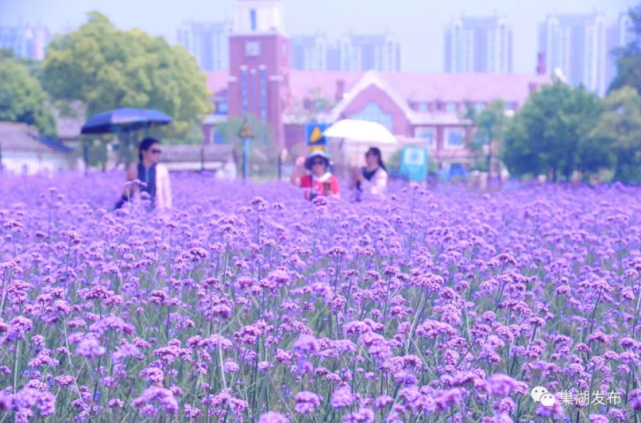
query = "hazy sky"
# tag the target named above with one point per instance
(419, 24)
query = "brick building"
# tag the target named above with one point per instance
(423, 108)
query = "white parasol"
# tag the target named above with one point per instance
(360, 130)
(359, 135)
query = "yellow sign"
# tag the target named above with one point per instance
(316, 136)
(246, 130)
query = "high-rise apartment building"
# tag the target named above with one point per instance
(581, 47)
(25, 41)
(620, 35)
(350, 53)
(478, 45)
(309, 52)
(380, 52)
(208, 42)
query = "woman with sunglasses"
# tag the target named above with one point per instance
(154, 175)
(319, 181)
(372, 179)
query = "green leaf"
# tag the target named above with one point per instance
(22, 98)
(549, 135)
(106, 68)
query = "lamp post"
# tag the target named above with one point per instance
(246, 134)
(245, 158)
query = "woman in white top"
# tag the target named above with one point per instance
(154, 175)
(370, 181)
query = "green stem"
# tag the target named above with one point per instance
(15, 366)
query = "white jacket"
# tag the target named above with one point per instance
(163, 188)
(377, 186)
(163, 185)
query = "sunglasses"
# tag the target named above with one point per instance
(156, 151)
(318, 162)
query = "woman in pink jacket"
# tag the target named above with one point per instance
(152, 173)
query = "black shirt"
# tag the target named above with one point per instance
(367, 174)
(148, 176)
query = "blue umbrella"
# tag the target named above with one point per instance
(124, 120)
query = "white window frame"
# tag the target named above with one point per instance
(252, 48)
(447, 144)
(423, 129)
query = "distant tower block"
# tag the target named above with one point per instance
(262, 16)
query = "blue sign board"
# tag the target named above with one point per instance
(314, 138)
(414, 163)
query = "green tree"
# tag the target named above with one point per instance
(34, 66)
(544, 136)
(107, 68)
(22, 98)
(393, 164)
(97, 152)
(6, 53)
(619, 133)
(489, 129)
(629, 57)
(193, 136)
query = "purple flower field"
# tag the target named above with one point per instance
(249, 304)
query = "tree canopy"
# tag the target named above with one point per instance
(545, 135)
(22, 98)
(489, 129)
(107, 68)
(562, 129)
(629, 57)
(618, 134)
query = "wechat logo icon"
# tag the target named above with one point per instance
(540, 394)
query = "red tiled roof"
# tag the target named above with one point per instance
(303, 83)
(414, 87)
(474, 87)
